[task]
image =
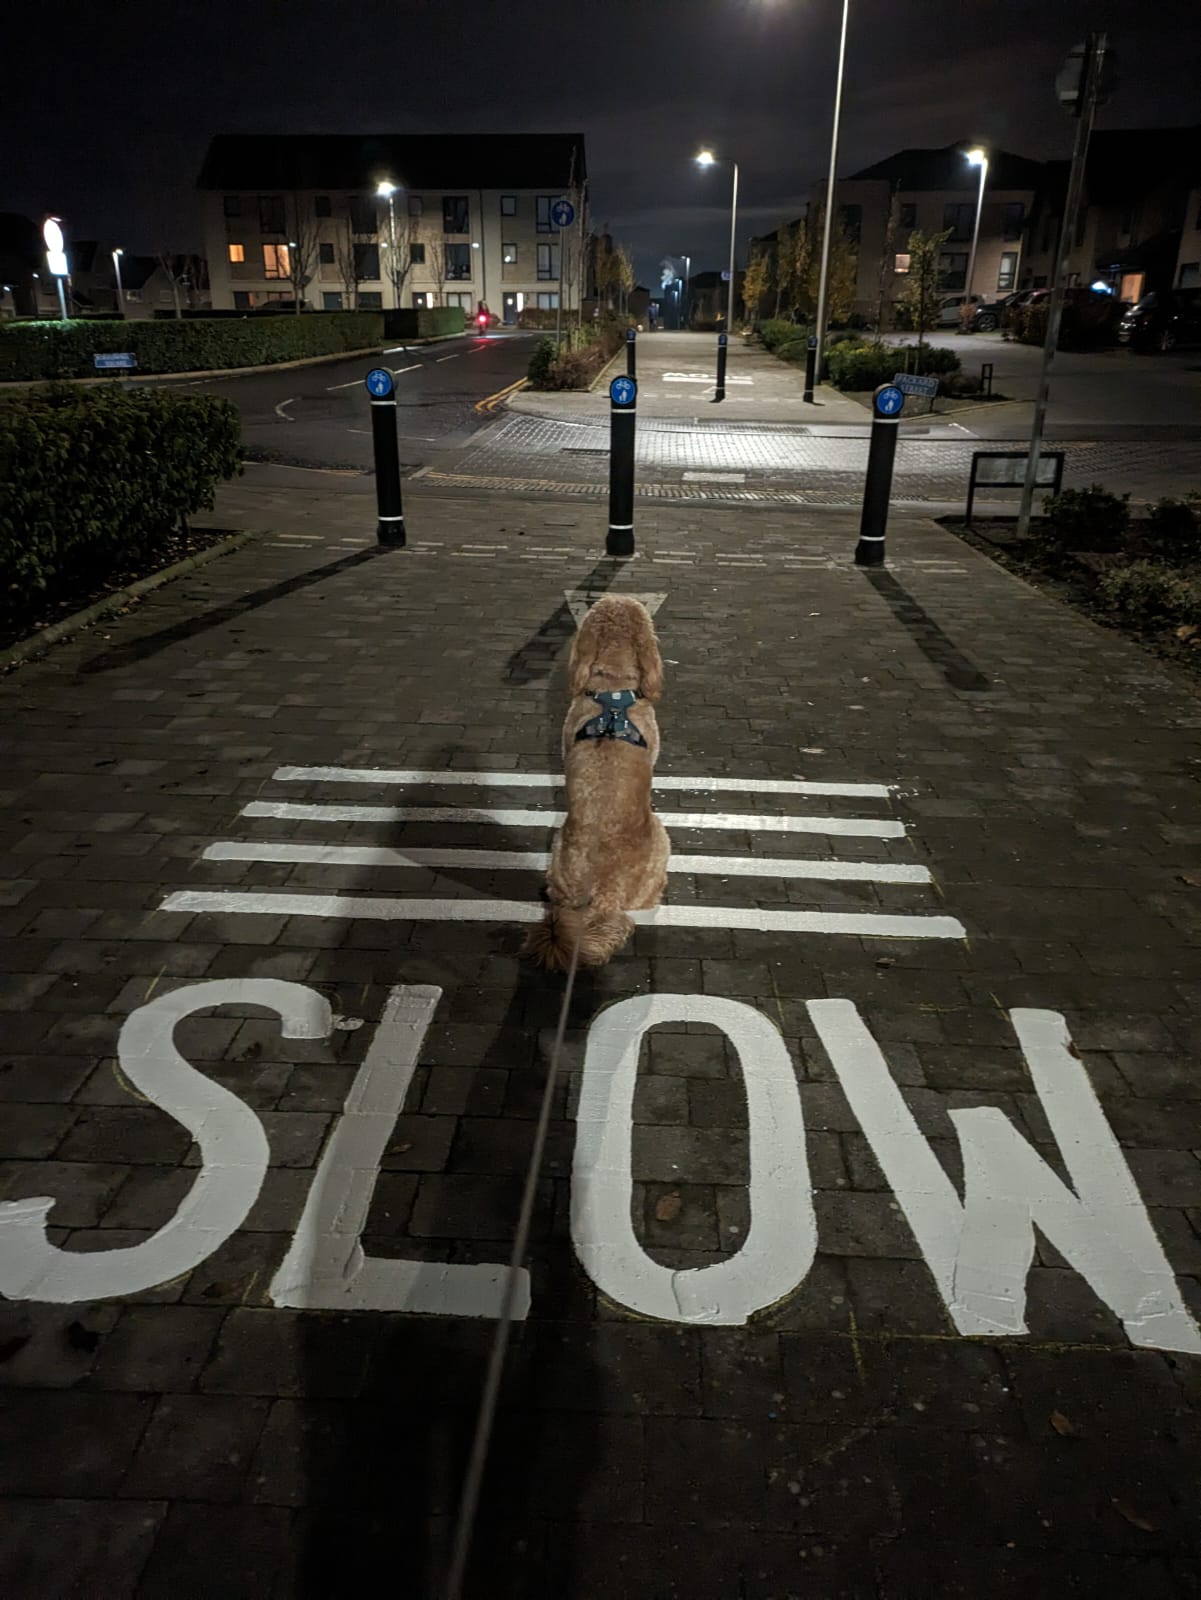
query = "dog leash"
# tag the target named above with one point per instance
(469, 1504)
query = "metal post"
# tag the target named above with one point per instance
(1094, 55)
(120, 285)
(623, 406)
(877, 488)
(810, 369)
(720, 392)
(62, 299)
(390, 528)
(631, 357)
(824, 280)
(971, 260)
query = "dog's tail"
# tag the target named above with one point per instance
(601, 935)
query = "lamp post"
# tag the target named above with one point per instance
(687, 260)
(56, 258)
(706, 158)
(976, 158)
(823, 283)
(387, 191)
(117, 254)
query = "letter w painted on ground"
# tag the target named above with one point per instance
(980, 1249)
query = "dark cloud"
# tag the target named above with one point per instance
(108, 116)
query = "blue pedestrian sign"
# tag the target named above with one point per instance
(889, 400)
(723, 340)
(623, 391)
(631, 335)
(379, 383)
(562, 213)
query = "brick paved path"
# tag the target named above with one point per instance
(825, 1424)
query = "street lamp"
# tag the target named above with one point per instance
(56, 258)
(687, 260)
(823, 284)
(976, 158)
(706, 158)
(117, 254)
(387, 191)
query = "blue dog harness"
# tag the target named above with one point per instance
(613, 723)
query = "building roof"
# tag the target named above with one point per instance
(416, 161)
(946, 169)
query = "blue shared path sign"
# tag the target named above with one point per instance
(562, 213)
(379, 383)
(889, 400)
(623, 391)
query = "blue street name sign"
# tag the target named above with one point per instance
(123, 361)
(379, 383)
(562, 213)
(623, 391)
(889, 400)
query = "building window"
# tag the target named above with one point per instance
(508, 205)
(417, 255)
(275, 261)
(370, 300)
(237, 252)
(243, 299)
(1013, 218)
(233, 205)
(544, 224)
(548, 261)
(908, 217)
(458, 261)
(548, 302)
(366, 262)
(959, 219)
(463, 301)
(331, 300)
(1190, 274)
(900, 263)
(851, 218)
(952, 269)
(420, 301)
(508, 254)
(456, 214)
(1126, 222)
(271, 213)
(362, 214)
(1008, 271)
(416, 206)
(325, 254)
(322, 206)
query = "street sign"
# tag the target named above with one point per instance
(56, 255)
(623, 391)
(723, 340)
(379, 383)
(631, 335)
(812, 345)
(912, 383)
(562, 213)
(1070, 79)
(121, 361)
(725, 277)
(888, 401)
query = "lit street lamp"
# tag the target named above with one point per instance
(976, 158)
(56, 258)
(117, 254)
(706, 158)
(823, 284)
(387, 191)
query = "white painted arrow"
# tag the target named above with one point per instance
(579, 601)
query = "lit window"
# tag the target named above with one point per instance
(508, 205)
(237, 252)
(276, 262)
(900, 263)
(508, 254)
(1008, 272)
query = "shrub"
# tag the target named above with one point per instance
(1087, 519)
(1172, 533)
(577, 363)
(540, 363)
(91, 480)
(36, 350)
(866, 366)
(537, 317)
(781, 330)
(959, 385)
(1148, 595)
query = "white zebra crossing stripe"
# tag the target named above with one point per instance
(456, 778)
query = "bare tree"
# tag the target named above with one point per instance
(888, 254)
(399, 254)
(302, 249)
(347, 258)
(435, 260)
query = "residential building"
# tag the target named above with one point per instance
(470, 220)
(1188, 260)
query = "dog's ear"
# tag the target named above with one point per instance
(650, 663)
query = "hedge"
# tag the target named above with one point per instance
(853, 366)
(424, 322)
(91, 480)
(36, 350)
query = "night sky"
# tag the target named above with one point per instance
(107, 108)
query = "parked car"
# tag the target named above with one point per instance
(950, 309)
(1163, 321)
(990, 314)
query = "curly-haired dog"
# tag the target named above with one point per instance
(611, 853)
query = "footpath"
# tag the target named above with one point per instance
(866, 1257)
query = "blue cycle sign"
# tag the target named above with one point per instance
(623, 391)
(379, 383)
(889, 400)
(562, 213)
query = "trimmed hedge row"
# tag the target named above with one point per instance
(425, 322)
(92, 480)
(857, 367)
(37, 350)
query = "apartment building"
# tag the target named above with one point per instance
(468, 218)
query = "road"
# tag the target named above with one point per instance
(317, 416)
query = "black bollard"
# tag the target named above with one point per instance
(877, 488)
(720, 392)
(623, 405)
(390, 529)
(810, 370)
(631, 358)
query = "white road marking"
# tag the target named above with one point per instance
(348, 855)
(579, 601)
(397, 371)
(281, 409)
(455, 776)
(715, 477)
(440, 359)
(380, 908)
(851, 827)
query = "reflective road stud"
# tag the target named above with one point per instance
(623, 398)
(390, 528)
(877, 488)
